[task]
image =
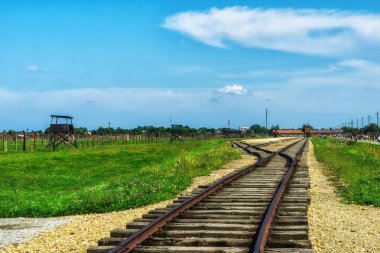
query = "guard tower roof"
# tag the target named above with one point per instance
(62, 116)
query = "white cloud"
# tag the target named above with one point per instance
(35, 69)
(309, 31)
(233, 89)
(368, 67)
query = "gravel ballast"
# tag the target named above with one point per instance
(338, 227)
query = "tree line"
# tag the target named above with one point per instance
(254, 129)
(371, 128)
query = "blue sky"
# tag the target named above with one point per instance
(198, 62)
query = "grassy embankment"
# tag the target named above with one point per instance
(354, 168)
(106, 178)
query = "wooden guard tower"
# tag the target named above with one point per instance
(61, 131)
(176, 133)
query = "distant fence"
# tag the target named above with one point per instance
(33, 141)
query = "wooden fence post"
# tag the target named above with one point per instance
(24, 141)
(34, 140)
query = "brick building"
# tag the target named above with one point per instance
(307, 132)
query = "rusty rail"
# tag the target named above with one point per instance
(146, 232)
(263, 231)
(259, 147)
(141, 235)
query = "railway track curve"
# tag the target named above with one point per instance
(258, 208)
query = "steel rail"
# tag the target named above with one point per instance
(147, 231)
(259, 147)
(262, 236)
(247, 149)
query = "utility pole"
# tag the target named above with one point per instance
(109, 125)
(377, 119)
(266, 120)
(369, 119)
(362, 124)
(357, 124)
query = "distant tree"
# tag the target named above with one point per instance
(80, 130)
(274, 127)
(371, 128)
(257, 129)
(228, 131)
(347, 130)
(205, 130)
(104, 130)
(11, 132)
(120, 130)
(188, 130)
(152, 130)
(149, 129)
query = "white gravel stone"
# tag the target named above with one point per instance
(18, 230)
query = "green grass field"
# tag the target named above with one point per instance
(354, 168)
(106, 178)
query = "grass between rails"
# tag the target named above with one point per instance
(106, 178)
(354, 168)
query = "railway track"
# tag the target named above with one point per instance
(259, 208)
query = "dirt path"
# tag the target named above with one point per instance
(337, 227)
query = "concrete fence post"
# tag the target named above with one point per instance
(5, 141)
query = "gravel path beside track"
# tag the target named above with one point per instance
(337, 227)
(261, 141)
(85, 230)
(21, 229)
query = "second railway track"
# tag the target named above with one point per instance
(233, 215)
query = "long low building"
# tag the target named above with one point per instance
(307, 132)
(288, 132)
